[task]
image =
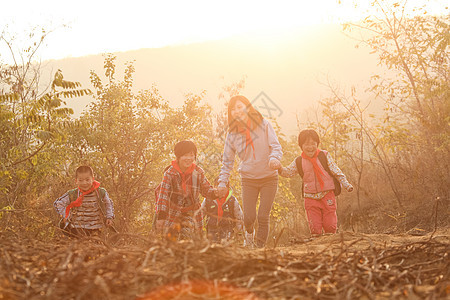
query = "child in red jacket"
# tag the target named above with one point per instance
(322, 181)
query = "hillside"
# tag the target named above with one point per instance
(290, 67)
(342, 266)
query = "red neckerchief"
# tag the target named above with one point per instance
(220, 202)
(183, 174)
(317, 171)
(79, 201)
(248, 137)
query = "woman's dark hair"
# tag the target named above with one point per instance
(254, 115)
(84, 169)
(183, 147)
(306, 134)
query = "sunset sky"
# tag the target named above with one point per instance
(286, 49)
(110, 26)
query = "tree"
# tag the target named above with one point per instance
(415, 50)
(32, 119)
(130, 139)
(343, 123)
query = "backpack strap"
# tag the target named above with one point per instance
(101, 193)
(298, 163)
(73, 194)
(324, 161)
(100, 196)
(322, 158)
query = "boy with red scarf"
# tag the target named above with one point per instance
(85, 208)
(223, 216)
(177, 206)
(321, 178)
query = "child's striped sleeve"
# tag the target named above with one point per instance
(61, 203)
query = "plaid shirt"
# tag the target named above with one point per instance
(171, 200)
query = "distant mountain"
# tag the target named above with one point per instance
(290, 67)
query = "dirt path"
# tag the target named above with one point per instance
(355, 241)
(342, 266)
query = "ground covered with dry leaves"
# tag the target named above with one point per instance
(342, 266)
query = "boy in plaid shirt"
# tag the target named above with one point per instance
(177, 206)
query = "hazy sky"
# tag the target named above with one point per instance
(98, 26)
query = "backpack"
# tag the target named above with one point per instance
(324, 162)
(100, 196)
(100, 193)
(227, 223)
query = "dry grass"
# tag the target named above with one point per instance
(342, 266)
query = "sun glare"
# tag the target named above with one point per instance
(108, 26)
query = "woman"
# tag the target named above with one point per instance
(254, 140)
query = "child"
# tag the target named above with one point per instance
(85, 208)
(223, 216)
(177, 206)
(322, 180)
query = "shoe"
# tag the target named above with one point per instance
(249, 239)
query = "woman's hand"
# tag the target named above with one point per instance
(109, 222)
(274, 164)
(350, 188)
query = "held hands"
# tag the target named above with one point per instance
(274, 164)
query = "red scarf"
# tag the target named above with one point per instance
(248, 137)
(220, 202)
(184, 175)
(317, 170)
(79, 201)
